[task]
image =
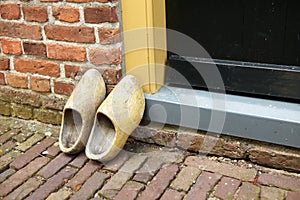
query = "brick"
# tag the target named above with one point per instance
(90, 186)
(114, 185)
(70, 33)
(22, 136)
(50, 0)
(293, 196)
(4, 63)
(34, 48)
(17, 80)
(53, 101)
(213, 145)
(172, 195)
(83, 174)
(79, 161)
(32, 153)
(270, 193)
(96, 15)
(7, 136)
(41, 67)
(10, 11)
(39, 84)
(111, 76)
(185, 178)
(21, 111)
(5, 108)
(30, 142)
(18, 30)
(11, 46)
(159, 183)
(278, 157)
(63, 88)
(204, 184)
(53, 151)
(222, 168)
(55, 165)
(20, 97)
(226, 188)
(248, 191)
(64, 52)
(67, 14)
(152, 165)
(122, 176)
(281, 181)
(47, 116)
(61, 194)
(80, 1)
(71, 71)
(35, 13)
(2, 79)
(25, 189)
(143, 177)
(109, 35)
(105, 56)
(7, 173)
(7, 158)
(22, 175)
(130, 191)
(52, 184)
(117, 162)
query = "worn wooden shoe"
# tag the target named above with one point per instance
(79, 112)
(116, 118)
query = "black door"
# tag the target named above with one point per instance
(254, 43)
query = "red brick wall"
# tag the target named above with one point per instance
(45, 47)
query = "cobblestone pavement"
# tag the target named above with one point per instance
(32, 167)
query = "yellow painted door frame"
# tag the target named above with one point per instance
(144, 36)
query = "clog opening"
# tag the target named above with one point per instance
(103, 135)
(71, 128)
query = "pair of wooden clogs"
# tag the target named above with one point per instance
(98, 124)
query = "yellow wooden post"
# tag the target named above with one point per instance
(145, 47)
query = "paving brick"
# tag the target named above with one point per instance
(248, 191)
(114, 185)
(143, 177)
(6, 136)
(32, 153)
(25, 189)
(83, 174)
(61, 194)
(133, 164)
(122, 176)
(271, 193)
(7, 173)
(30, 142)
(5, 148)
(55, 165)
(293, 196)
(79, 161)
(281, 181)
(90, 186)
(53, 151)
(205, 182)
(152, 165)
(172, 195)
(129, 191)
(186, 177)
(226, 188)
(52, 184)
(22, 136)
(7, 158)
(117, 162)
(222, 168)
(159, 183)
(22, 175)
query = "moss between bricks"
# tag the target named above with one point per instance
(21, 111)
